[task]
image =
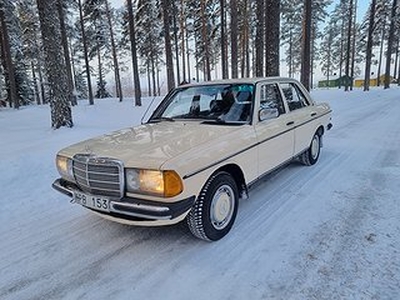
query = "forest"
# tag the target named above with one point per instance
(59, 51)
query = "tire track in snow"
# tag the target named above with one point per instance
(339, 258)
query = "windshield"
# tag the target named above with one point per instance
(219, 103)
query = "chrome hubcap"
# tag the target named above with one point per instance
(222, 206)
(315, 147)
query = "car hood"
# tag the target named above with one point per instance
(150, 145)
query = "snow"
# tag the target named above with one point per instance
(330, 231)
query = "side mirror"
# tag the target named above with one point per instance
(267, 114)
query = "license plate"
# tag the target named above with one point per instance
(94, 202)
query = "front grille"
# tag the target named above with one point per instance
(99, 175)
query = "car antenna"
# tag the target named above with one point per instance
(150, 105)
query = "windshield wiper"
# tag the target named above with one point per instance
(169, 119)
(220, 121)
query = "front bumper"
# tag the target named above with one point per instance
(136, 211)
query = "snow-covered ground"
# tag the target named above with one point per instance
(330, 231)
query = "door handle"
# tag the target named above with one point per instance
(313, 114)
(290, 123)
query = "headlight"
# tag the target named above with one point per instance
(64, 167)
(160, 183)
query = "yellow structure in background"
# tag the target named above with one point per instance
(372, 82)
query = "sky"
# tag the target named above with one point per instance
(362, 6)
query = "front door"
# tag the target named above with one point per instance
(275, 136)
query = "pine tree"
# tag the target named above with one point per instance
(118, 86)
(223, 35)
(272, 24)
(166, 12)
(80, 84)
(95, 14)
(259, 39)
(31, 46)
(390, 43)
(7, 60)
(306, 46)
(62, 7)
(234, 34)
(55, 65)
(291, 31)
(328, 57)
(85, 52)
(369, 45)
(12, 37)
(149, 40)
(132, 36)
(382, 14)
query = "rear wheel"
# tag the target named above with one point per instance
(310, 157)
(214, 212)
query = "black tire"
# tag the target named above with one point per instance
(215, 209)
(311, 155)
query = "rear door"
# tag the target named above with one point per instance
(302, 112)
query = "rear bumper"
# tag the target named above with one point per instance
(136, 211)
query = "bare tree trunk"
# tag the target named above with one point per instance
(64, 42)
(153, 74)
(234, 41)
(341, 54)
(118, 87)
(168, 49)
(306, 46)
(13, 97)
(178, 73)
(205, 39)
(369, 46)
(245, 61)
(100, 68)
(158, 83)
(382, 41)
(188, 53)
(259, 41)
(182, 36)
(247, 40)
(353, 46)
(397, 58)
(135, 68)
(223, 39)
(148, 79)
(85, 52)
(35, 84)
(55, 65)
(272, 24)
(196, 60)
(390, 45)
(348, 49)
(291, 53)
(398, 75)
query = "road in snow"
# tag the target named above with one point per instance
(331, 231)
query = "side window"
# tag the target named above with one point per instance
(294, 96)
(270, 97)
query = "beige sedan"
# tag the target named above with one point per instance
(201, 150)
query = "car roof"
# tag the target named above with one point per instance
(254, 80)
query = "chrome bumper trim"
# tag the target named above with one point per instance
(128, 208)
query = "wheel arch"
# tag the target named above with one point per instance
(237, 174)
(320, 130)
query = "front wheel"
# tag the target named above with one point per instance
(311, 155)
(214, 212)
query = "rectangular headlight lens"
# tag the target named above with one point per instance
(160, 183)
(64, 167)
